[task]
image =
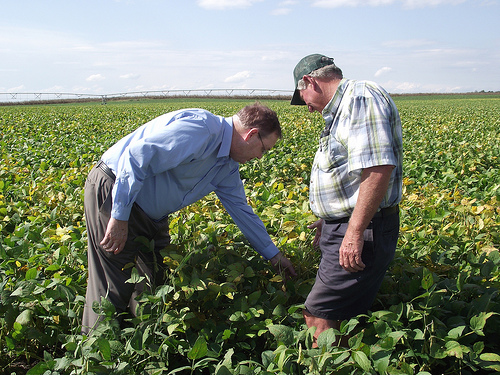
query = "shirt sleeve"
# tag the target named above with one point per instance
(164, 149)
(370, 136)
(232, 195)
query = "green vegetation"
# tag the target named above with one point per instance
(223, 311)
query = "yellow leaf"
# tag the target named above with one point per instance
(480, 223)
(488, 249)
(288, 226)
(447, 226)
(413, 197)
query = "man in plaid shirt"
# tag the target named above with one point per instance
(355, 189)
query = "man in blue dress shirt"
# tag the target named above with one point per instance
(166, 164)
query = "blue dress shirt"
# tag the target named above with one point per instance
(175, 160)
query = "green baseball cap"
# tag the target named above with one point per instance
(305, 66)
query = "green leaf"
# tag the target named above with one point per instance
(282, 333)
(381, 358)
(279, 311)
(227, 358)
(180, 369)
(361, 360)
(478, 322)
(326, 339)
(267, 358)
(25, 317)
(427, 279)
(490, 357)
(38, 369)
(136, 340)
(53, 267)
(104, 348)
(199, 349)
(310, 337)
(491, 361)
(346, 327)
(222, 370)
(462, 277)
(135, 278)
(454, 349)
(478, 347)
(31, 274)
(456, 332)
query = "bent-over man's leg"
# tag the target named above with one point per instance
(107, 272)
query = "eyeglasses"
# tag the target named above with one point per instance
(264, 150)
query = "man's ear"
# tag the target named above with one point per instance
(250, 133)
(309, 80)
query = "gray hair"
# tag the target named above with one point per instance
(329, 72)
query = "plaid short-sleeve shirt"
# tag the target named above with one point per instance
(362, 130)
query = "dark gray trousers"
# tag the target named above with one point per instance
(338, 294)
(107, 272)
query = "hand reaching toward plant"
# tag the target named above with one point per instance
(318, 225)
(283, 266)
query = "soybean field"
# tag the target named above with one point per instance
(223, 310)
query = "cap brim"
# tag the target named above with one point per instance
(296, 99)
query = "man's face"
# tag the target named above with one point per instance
(254, 146)
(313, 96)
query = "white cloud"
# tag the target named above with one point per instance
(382, 71)
(239, 77)
(430, 3)
(408, 43)
(402, 87)
(95, 78)
(281, 11)
(57, 88)
(16, 89)
(376, 3)
(130, 76)
(414, 87)
(349, 3)
(225, 4)
(284, 8)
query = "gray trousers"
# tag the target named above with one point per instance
(107, 272)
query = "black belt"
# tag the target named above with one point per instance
(384, 212)
(103, 167)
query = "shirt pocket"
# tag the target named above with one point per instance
(331, 154)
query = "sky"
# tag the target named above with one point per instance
(121, 46)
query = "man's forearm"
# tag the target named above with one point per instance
(374, 184)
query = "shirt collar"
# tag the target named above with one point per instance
(227, 136)
(330, 110)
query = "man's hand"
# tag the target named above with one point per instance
(318, 225)
(115, 236)
(283, 266)
(374, 183)
(350, 252)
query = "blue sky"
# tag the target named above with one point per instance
(115, 46)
